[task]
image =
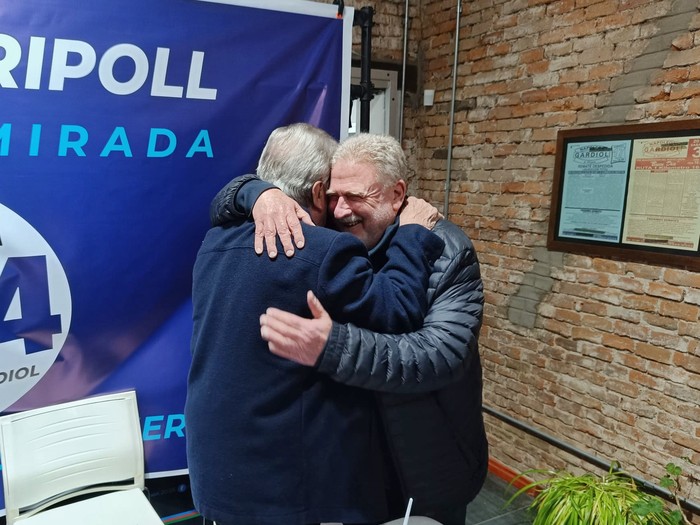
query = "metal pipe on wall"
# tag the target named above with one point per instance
(448, 178)
(365, 19)
(590, 458)
(403, 69)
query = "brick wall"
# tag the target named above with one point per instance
(603, 354)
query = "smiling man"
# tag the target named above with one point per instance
(367, 188)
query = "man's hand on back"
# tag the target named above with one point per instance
(296, 338)
(277, 215)
(418, 211)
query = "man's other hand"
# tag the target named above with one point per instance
(277, 215)
(418, 211)
(296, 338)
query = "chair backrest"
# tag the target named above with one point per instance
(54, 453)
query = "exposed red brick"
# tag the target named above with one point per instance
(536, 67)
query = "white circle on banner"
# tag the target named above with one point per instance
(35, 307)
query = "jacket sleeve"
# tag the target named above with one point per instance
(236, 199)
(427, 359)
(393, 299)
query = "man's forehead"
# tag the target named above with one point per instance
(353, 176)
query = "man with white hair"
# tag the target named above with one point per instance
(258, 445)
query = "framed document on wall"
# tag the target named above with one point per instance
(629, 192)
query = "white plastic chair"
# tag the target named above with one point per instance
(88, 447)
(413, 520)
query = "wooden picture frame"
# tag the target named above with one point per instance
(629, 192)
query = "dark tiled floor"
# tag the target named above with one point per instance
(172, 501)
(490, 507)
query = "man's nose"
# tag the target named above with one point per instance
(341, 208)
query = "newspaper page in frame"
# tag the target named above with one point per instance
(594, 190)
(663, 202)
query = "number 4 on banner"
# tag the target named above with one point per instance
(25, 308)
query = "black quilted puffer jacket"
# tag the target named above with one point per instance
(428, 382)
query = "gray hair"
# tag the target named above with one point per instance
(295, 157)
(383, 152)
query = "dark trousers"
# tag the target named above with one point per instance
(454, 516)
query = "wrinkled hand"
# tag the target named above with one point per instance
(277, 215)
(418, 211)
(296, 338)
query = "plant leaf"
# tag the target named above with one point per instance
(673, 469)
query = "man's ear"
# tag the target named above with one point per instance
(399, 195)
(318, 196)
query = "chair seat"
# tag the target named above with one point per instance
(124, 507)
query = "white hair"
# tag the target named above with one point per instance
(295, 157)
(382, 152)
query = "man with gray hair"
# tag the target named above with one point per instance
(429, 381)
(368, 187)
(258, 445)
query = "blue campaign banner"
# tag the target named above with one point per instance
(119, 121)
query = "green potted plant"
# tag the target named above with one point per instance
(562, 498)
